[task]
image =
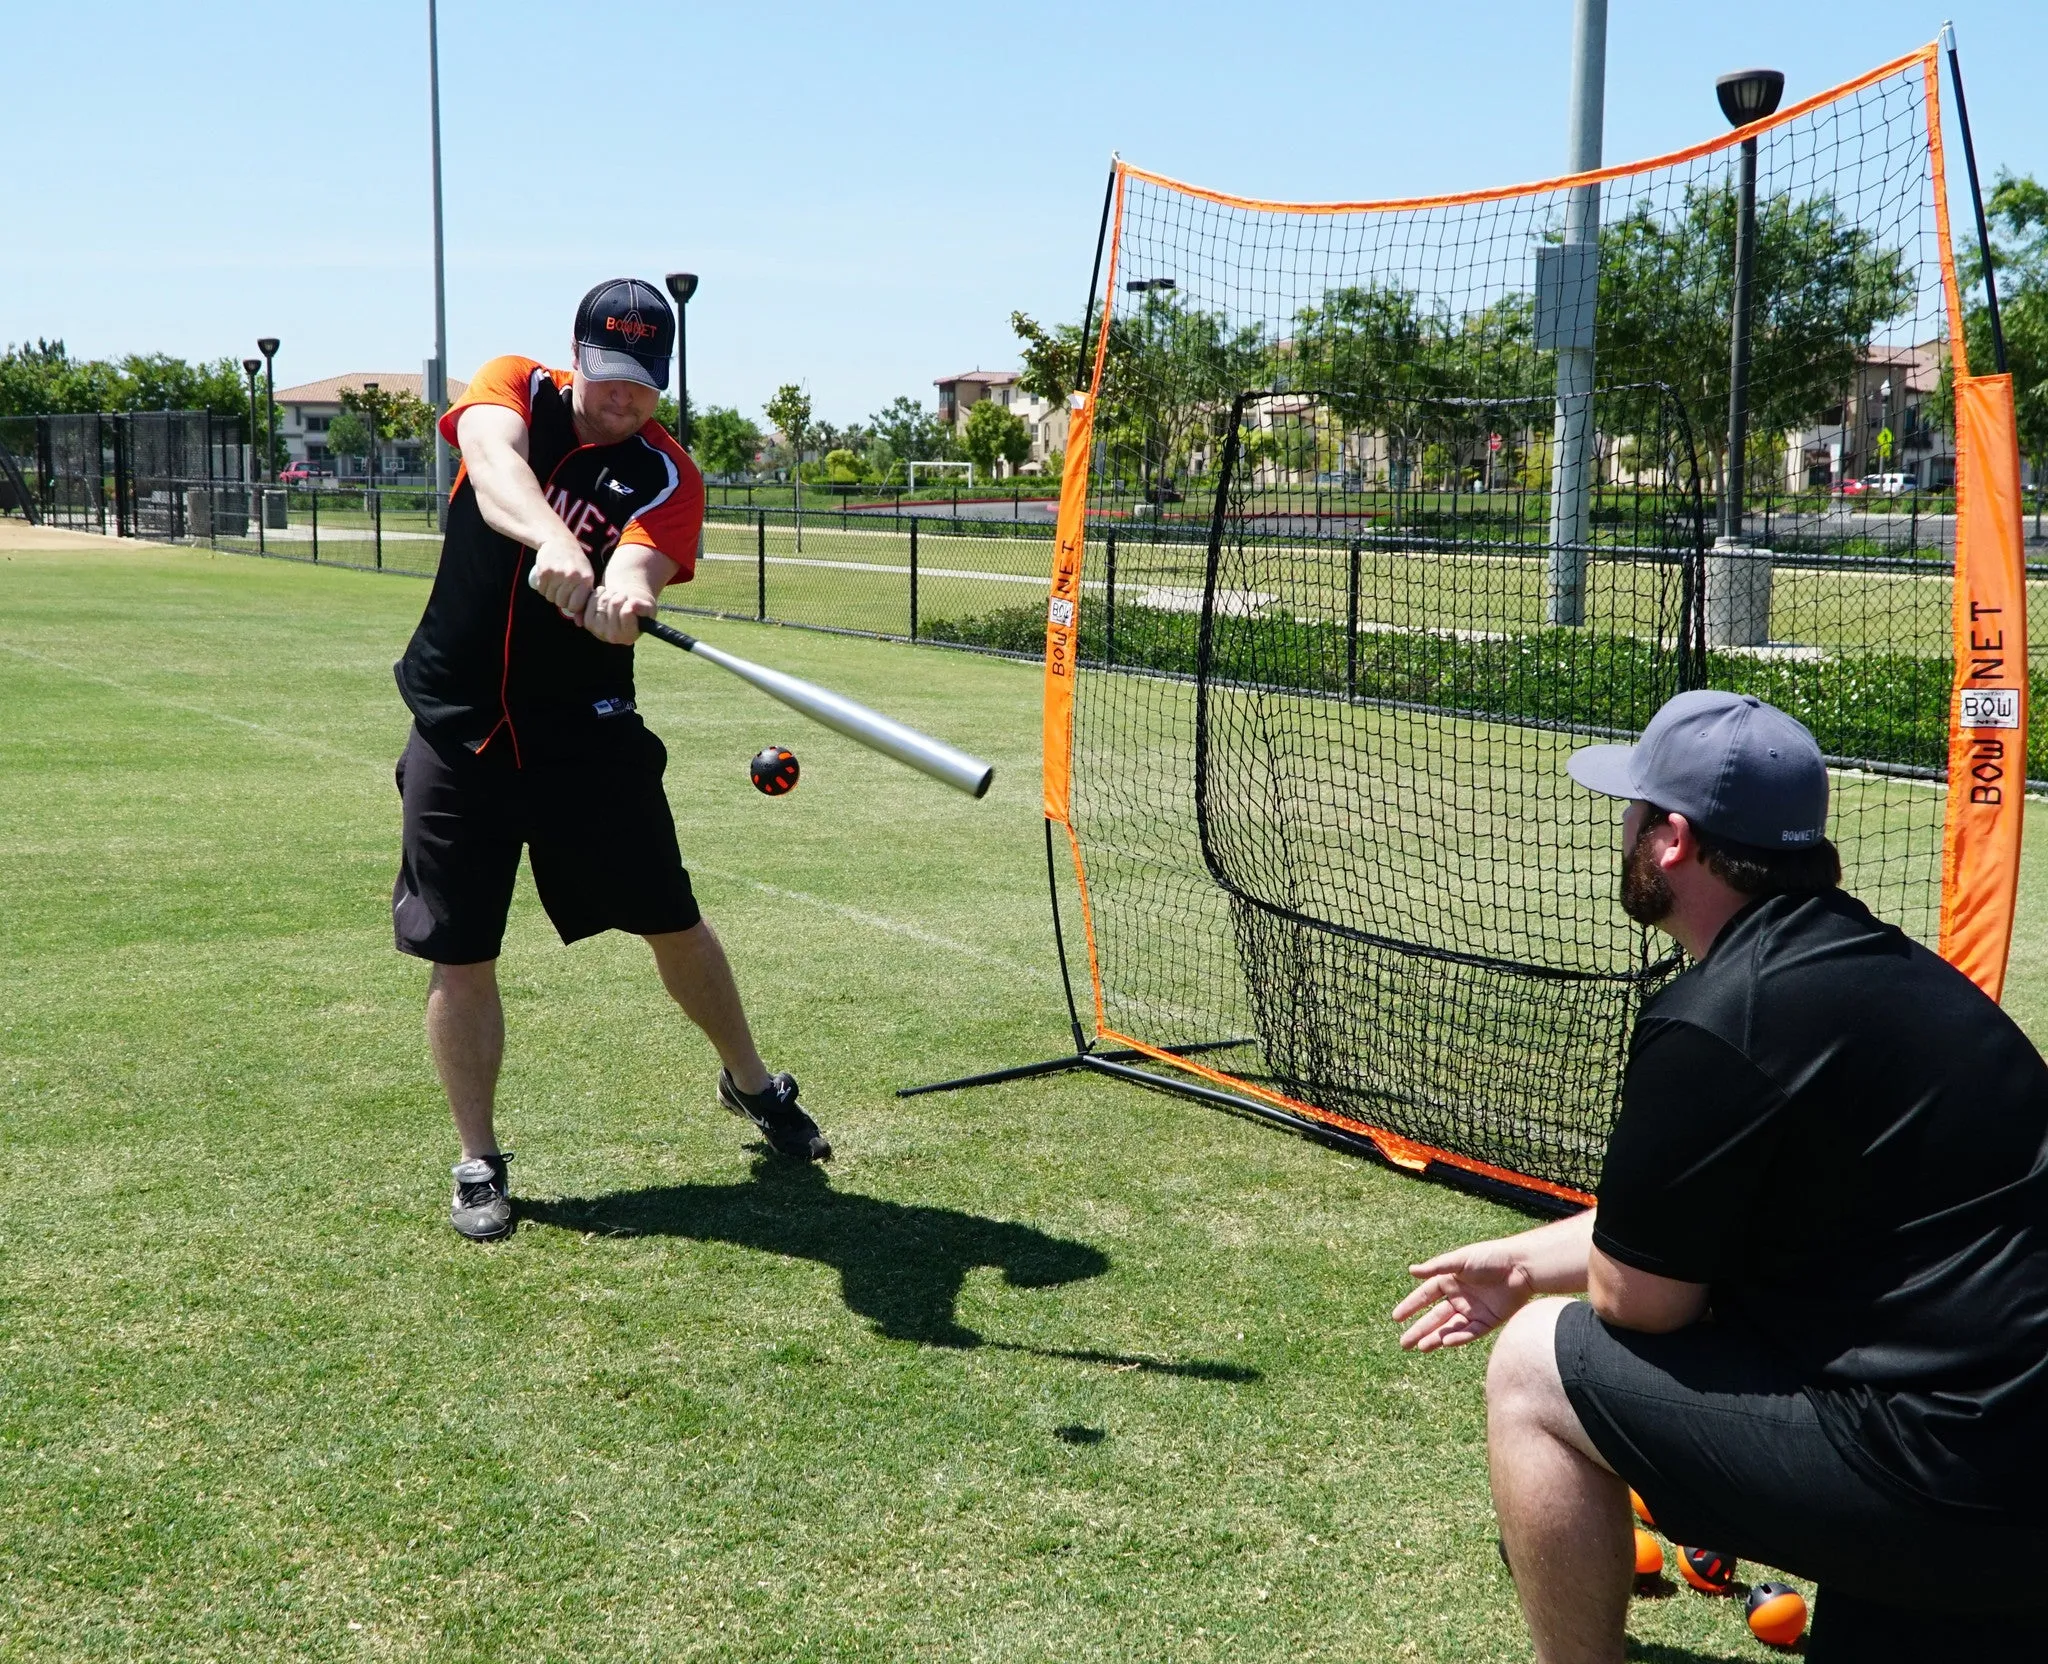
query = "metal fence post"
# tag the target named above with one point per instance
(1109, 605)
(377, 525)
(1351, 628)
(313, 497)
(761, 565)
(913, 577)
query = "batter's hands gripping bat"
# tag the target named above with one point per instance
(872, 729)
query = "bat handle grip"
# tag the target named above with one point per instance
(663, 632)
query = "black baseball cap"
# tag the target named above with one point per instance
(625, 331)
(1732, 765)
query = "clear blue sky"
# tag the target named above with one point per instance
(867, 191)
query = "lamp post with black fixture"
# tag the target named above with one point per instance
(249, 368)
(1739, 585)
(370, 412)
(1152, 483)
(681, 286)
(268, 346)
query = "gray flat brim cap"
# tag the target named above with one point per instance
(1732, 765)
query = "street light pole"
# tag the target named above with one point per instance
(681, 286)
(370, 405)
(268, 346)
(1572, 426)
(1149, 286)
(1739, 585)
(249, 368)
(438, 393)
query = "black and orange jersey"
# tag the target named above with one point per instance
(491, 661)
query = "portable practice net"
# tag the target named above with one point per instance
(1372, 512)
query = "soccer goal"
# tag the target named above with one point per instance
(1305, 729)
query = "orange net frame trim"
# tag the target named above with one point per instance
(1981, 837)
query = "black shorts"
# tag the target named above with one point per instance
(1722, 1442)
(597, 830)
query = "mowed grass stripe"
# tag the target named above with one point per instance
(253, 1392)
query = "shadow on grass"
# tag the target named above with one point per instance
(1656, 1652)
(901, 1267)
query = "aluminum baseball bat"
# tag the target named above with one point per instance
(872, 729)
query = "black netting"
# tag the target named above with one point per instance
(1393, 506)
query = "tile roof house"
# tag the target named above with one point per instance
(305, 412)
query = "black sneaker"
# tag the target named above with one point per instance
(789, 1131)
(482, 1209)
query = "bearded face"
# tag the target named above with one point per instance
(1645, 892)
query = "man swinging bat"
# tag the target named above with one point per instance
(572, 511)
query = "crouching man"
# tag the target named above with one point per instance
(1816, 1328)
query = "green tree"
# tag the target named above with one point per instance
(904, 431)
(349, 434)
(724, 441)
(2017, 210)
(994, 433)
(1822, 287)
(790, 411)
(843, 466)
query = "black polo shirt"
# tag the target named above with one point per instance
(492, 662)
(1847, 1141)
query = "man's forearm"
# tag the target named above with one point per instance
(511, 499)
(1556, 1255)
(637, 569)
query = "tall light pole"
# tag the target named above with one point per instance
(1739, 583)
(370, 405)
(268, 346)
(249, 368)
(681, 286)
(1149, 286)
(1747, 95)
(437, 394)
(1576, 272)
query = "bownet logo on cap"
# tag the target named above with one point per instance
(1732, 765)
(625, 331)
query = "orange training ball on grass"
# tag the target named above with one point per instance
(1649, 1554)
(1707, 1570)
(1777, 1614)
(1642, 1508)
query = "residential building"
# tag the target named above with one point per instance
(307, 411)
(1047, 420)
(1891, 387)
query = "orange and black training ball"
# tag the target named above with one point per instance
(1777, 1614)
(1649, 1555)
(1707, 1570)
(774, 770)
(1642, 1508)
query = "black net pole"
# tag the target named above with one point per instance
(1081, 364)
(1955, 75)
(913, 578)
(761, 565)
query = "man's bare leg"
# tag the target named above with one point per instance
(1564, 1514)
(466, 1028)
(699, 978)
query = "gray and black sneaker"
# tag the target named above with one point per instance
(789, 1131)
(482, 1209)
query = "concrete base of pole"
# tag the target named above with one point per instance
(1738, 594)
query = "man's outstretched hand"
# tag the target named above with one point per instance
(1464, 1294)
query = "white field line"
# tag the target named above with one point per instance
(282, 736)
(856, 915)
(885, 924)
(923, 571)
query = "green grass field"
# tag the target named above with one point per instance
(1059, 1370)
